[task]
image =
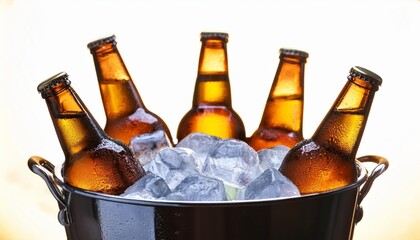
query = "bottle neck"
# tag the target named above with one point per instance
(284, 107)
(119, 94)
(342, 128)
(75, 127)
(212, 86)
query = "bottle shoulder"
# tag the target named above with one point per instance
(103, 148)
(311, 149)
(209, 110)
(221, 122)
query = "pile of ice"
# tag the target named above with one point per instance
(207, 168)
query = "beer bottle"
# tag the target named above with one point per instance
(126, 114)
(93, 161)
(327, 160)
(281, 122)
(212, 111)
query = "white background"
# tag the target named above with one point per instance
(159, 41)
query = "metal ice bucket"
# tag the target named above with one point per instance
(327, 215)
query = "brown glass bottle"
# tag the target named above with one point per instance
(93, 161)
(281, 122)
(126, 114)
(327, 160)
(212, 111)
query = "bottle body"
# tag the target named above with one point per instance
(126, 114)
(327, 160)
(93, 161)
(212, 111)
(282, 118)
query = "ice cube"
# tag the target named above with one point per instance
(150, 186)
(200, 143)
(232, 161)
(146, 146)
(272, 157)
(173, 165)
(141, 116)
(198, 188)
(270, 184)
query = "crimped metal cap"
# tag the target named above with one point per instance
(96, 43)
(214, 35)
(52, 82)
(293, 52)
(365, 75)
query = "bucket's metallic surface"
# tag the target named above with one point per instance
(328, 215)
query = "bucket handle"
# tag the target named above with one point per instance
(382, 165)
(45, 170)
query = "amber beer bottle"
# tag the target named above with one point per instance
(327, 160)
(281, 122)
(212, 111)
(126, 114)
(93, 161)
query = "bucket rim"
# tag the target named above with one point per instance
(362, 177)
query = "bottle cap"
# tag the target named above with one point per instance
(45, 86)
(96, 43)
(214, 35)
(293, 52)
(365, 75)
